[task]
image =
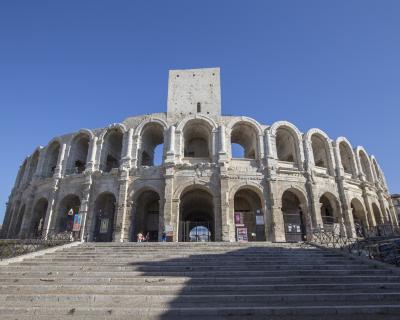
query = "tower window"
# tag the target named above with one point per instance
(198, 107)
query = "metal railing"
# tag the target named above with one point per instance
(380, 243)
(10, 248)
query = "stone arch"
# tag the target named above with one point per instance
(145, 217)
(196, 214)
(197, 139)
(321, 149)
(36, 227)
(52, 155)
(330, 209)
(376, 169)
(365, 165)
(245, 133)
(190, 185)
(104, 217)
(21, 173)
(294, 209)
(346, 156)
(152, 139)
(359, 217)
(33, 164)
(78, 153)
(115, 126)
(377, 214)
(111, 148)
(248, 211)
(288, 140)
(18, 222)
(67, 209)
(146, 121)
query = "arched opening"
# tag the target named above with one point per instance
(196, 216)
(18, 224)
(78, 154)
(359, 217)
(111, 150)
(243, 141)
(146, 216)
(104, 210)
(33, 165)
(197, 139)
(329, 210)
(377, 214)
(68, 214)
(248, 216)
(365, 167)
(293, 217)
(50, 162)
(152, 145)
(346, 157)
(286, 145)
(38, 217)
(377, 171)
(320, 151)
(21, 174)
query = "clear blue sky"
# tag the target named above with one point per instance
(65, 65)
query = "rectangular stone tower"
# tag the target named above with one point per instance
(194, 91)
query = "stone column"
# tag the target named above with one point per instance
(367, 204)
(92, 155)
(61, 164)
(84, 208)
(24, 230)
(278, 225)
(170, 205)
(171, 148)
(226, 233)
(121, 232)
(51, 214)
(39, 168)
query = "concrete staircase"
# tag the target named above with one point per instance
(197, 281)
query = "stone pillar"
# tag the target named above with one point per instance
(369, 213)
(128, 144)
(278, 225)
(24, 230)
(84, 208)
(39, 168)
(51, 214)
(170, 205)
(92, 155)
(226, 233)
(121, 232)
(171, 148)
(61, 164)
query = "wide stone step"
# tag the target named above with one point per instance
(183, 268)
(145, 280)
(186, 301)
(370, 311)
(191, 274)
(198, 289)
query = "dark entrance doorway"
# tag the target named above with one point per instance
(196, 217)
(293, 217)
(249, 217)
(146, 216)
(104, 211)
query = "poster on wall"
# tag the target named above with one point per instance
(238, 218)
(169, 230)
(77, 222)
(241, 234)
(259, 220)
(103, 225)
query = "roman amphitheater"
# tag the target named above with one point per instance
(109, 184)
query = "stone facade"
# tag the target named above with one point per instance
(396, 204)
(283, 185)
